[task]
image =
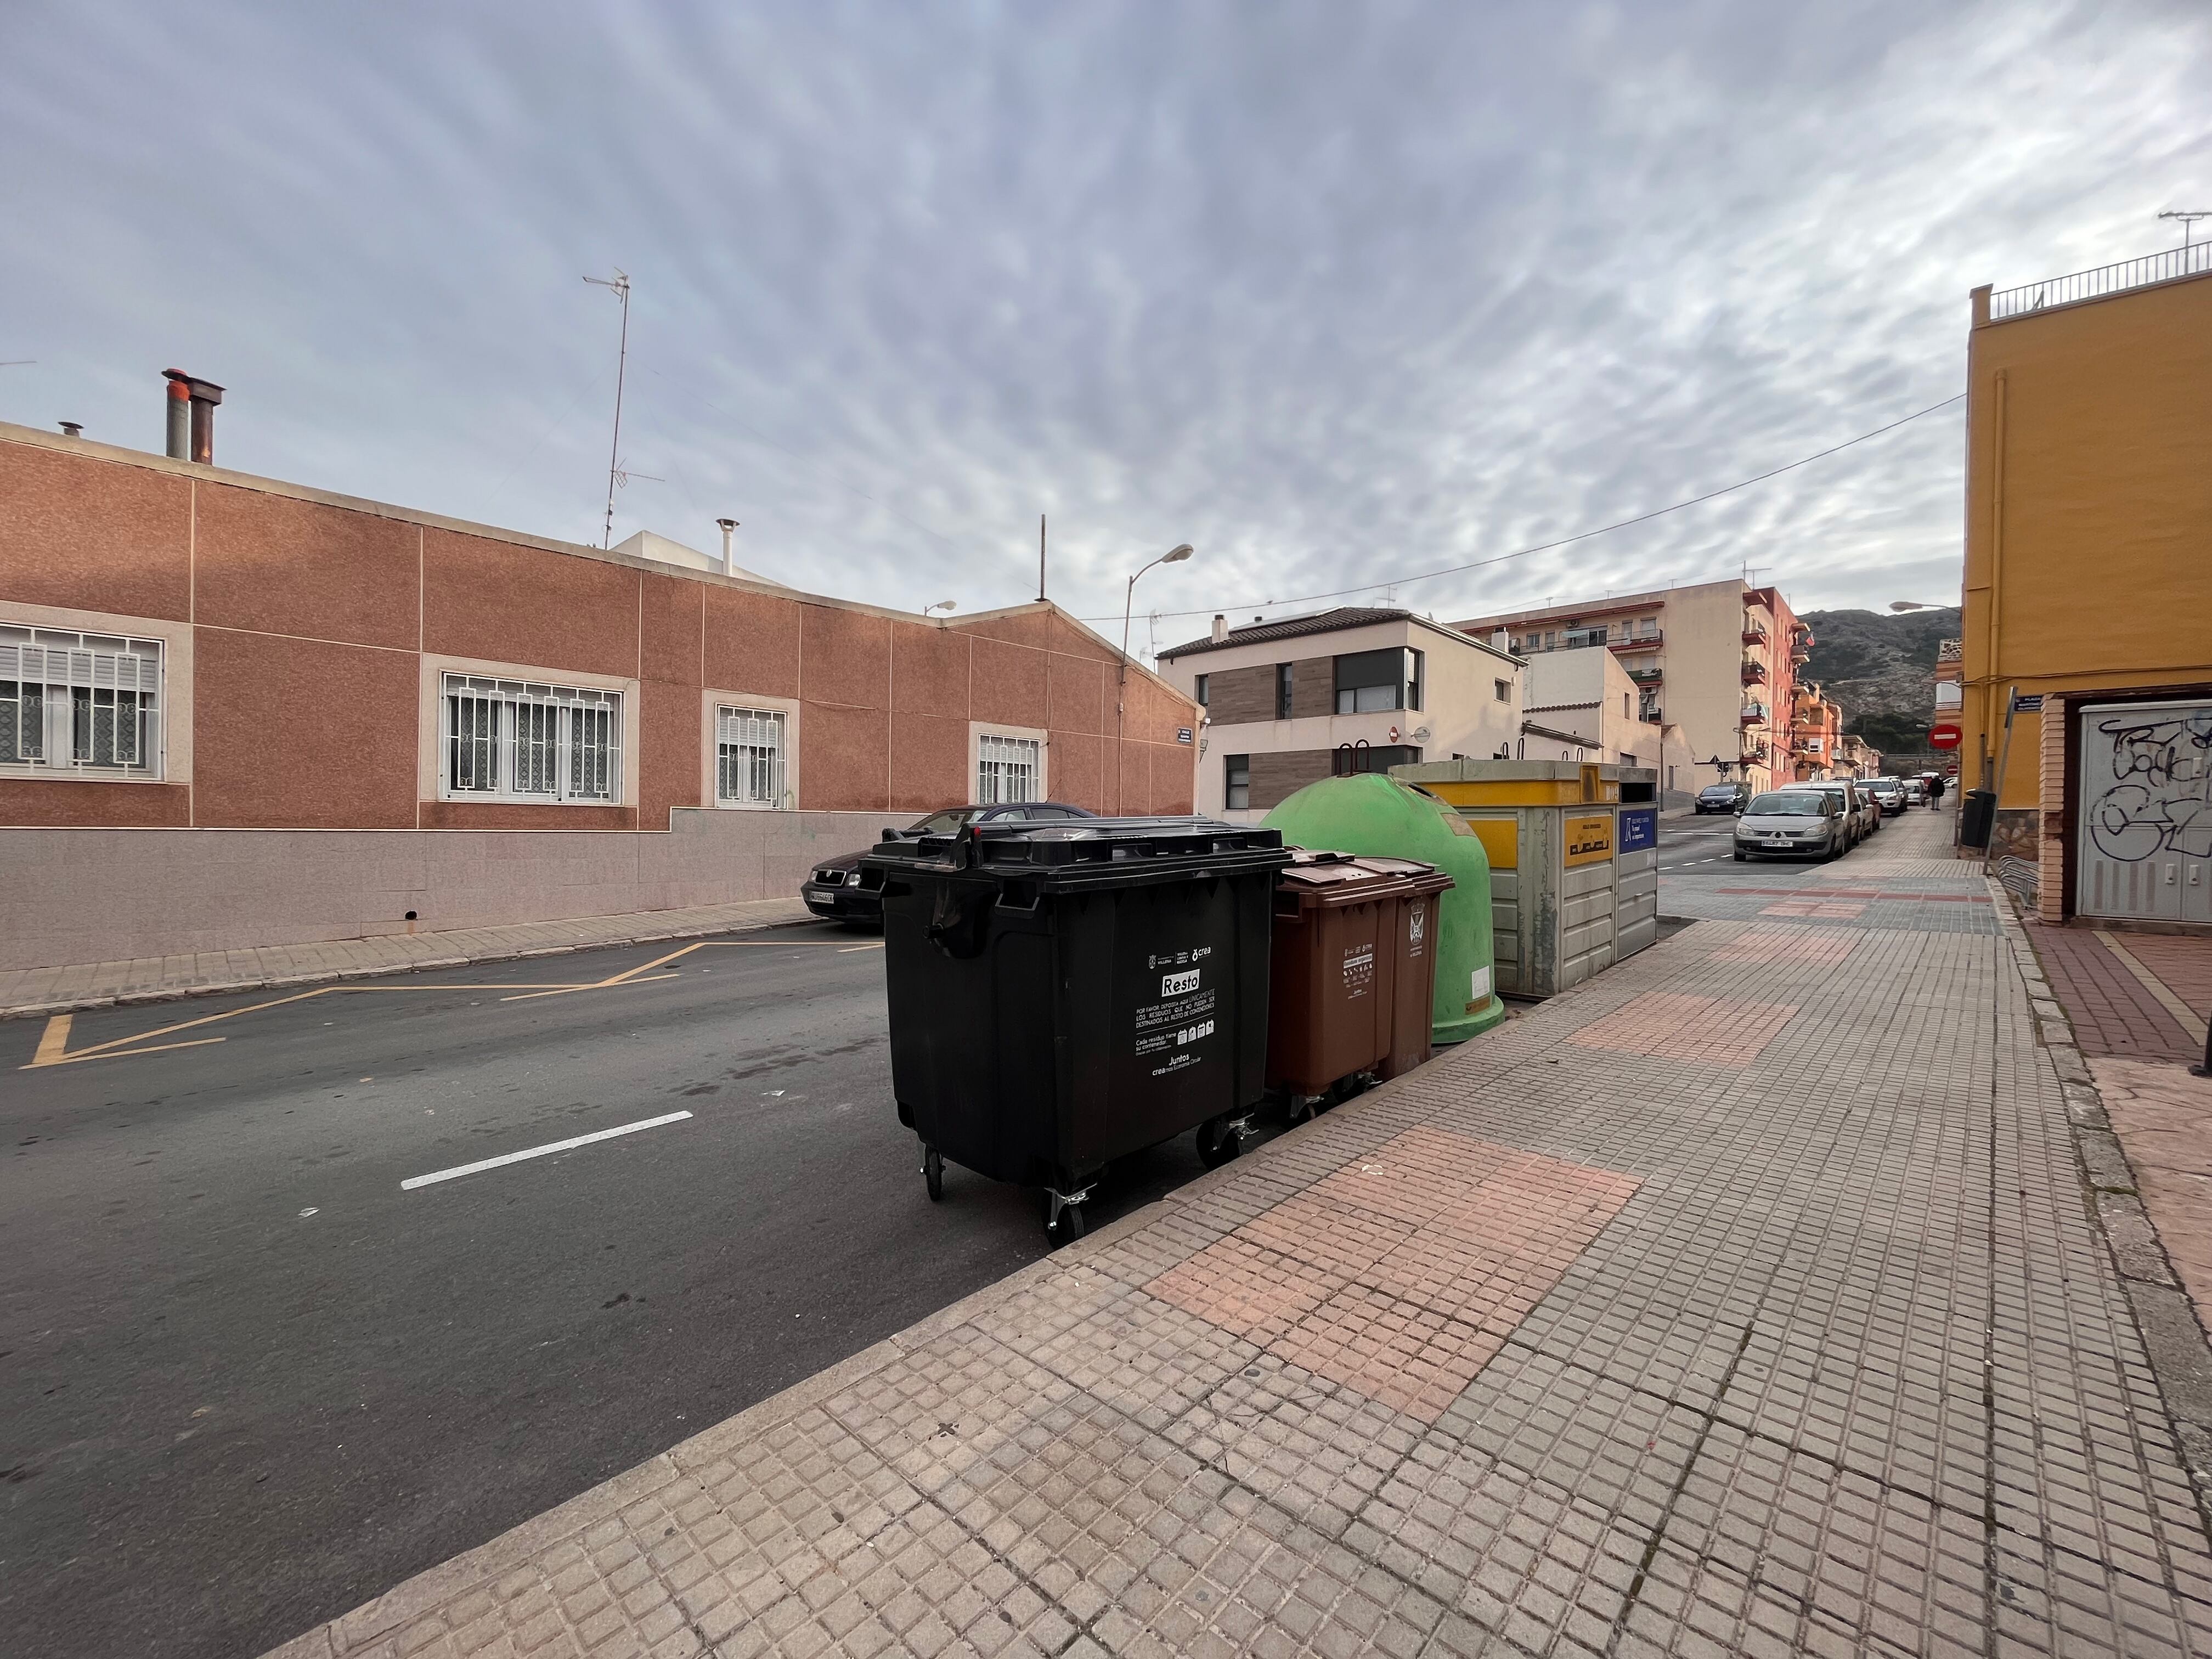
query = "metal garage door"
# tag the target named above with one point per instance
(2145, 842)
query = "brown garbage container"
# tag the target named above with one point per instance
(1353, 968)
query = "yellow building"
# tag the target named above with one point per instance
(2088, 582)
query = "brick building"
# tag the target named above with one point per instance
(337, 713)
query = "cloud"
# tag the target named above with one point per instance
(1336, 293)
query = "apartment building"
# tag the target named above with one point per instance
(1816, 735)
(1717, 659)
(2088, 584)
(1582, 704)
(1292, 701)
(236, 711)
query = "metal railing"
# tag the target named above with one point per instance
(2105, 279)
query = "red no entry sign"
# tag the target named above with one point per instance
(1945, 736)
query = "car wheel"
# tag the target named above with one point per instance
(1742, 857)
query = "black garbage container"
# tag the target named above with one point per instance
(1976, 813)
(1063, 994)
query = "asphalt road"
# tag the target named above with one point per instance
(1687, 845)
(250, 1381)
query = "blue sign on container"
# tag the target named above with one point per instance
(1638, 827)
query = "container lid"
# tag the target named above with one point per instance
(1088, 852)
(1322, 880)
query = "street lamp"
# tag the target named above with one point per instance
(948, 606)
(1128, 597)
(1175, 556)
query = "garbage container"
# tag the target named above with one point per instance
(1371, 814)
(1355, 965)
(1063, 994)
(1976, 816)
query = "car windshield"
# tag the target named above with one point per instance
(1789, 804)
(942, 823)
(1716, 791)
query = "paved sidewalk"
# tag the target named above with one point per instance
(24, 991)
(2137, 996)
(1744, 1300)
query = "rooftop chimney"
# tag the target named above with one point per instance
(1220, 630)
(729, 529)
(191, 417)
(72, 428)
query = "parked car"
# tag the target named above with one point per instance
(833, 888)
(1888, 794)
(1722, 798)
(1803, 820)
(1916, 792)
(1861, 816)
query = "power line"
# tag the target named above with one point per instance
(1581, 536)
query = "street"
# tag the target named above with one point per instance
(253, 1379)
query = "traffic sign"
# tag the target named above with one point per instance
(1945, 736)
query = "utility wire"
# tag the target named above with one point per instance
(1581, 536)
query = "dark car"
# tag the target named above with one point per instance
(833, 889)
(1724, 797)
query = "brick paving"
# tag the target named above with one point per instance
(2112, 1011)
(36, 991)
(1584, 1338)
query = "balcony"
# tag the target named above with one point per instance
(1755, 633)
(1641, 641)
(1754, 714)
(1646, 675)
(2094, 284)
(1754, 673)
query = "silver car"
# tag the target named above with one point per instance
(1804, 822)
(1862, 817)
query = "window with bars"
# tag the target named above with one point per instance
(1007, 769)
(512, 740)
(751, 752)
(80, 704)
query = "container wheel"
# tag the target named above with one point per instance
(1064, 1228)
(933, 1173)
(1217, 1145)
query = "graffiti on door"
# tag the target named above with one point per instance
(2160, 799)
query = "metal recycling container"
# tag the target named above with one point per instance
(1369, 814)
(1557, 899)
(1063, 994)
(1355, 965)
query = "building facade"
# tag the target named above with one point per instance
(1584, 704)
(1289, 702)
(1816, 733)
(205, 671)
(2088, 585)
(1718, 659)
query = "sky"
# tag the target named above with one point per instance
(1337, 293)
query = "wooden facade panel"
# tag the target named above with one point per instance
(1242, 696)
(1313, 687)
(1277, 777)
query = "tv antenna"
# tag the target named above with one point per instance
(619, 287)
(2188, 218)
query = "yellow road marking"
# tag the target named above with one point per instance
(124, 1054)
(53, 1042)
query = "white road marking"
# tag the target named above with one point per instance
(538, 1151)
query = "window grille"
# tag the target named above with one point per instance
(511, 740)
(1006, 769)
(751, 756)
(80, 702)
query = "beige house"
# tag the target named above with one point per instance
(1583, 705)
(1288, 701)
(1717, 659)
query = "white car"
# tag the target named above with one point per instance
(1801, 822)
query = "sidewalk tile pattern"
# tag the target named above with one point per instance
(2112, 1011)
(1548, 1348)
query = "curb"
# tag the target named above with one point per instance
(381, 970)
(2173, 1340)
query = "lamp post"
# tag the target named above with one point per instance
(1175, 556)
(948, 606)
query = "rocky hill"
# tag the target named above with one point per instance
(1880, 667)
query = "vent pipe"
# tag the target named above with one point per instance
(72, 428)
(191, 417)
(729, 529)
